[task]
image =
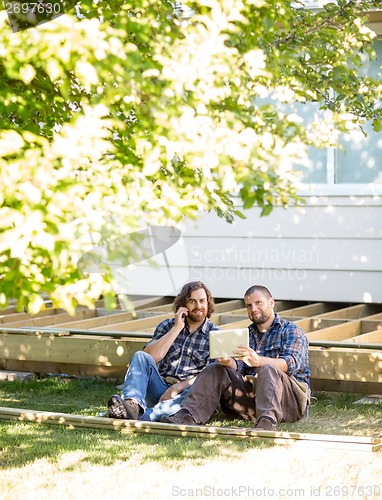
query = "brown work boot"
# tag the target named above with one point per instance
(181, 417)
(265, 424)
(121, 408)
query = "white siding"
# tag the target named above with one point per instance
(330, 250)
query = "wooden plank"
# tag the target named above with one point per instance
(226, 319)
(10, 309)
(135, 325)
(314, 324)
(309, 309)
(228, 306)
(346, 364)
(338, 332)
(374, 317)
(236, 324)
(365, 443)
(279, 307)
(72, 349)
(75, 369)
(334, 364)
(99, 321)
(10, 318)
(371, 325)
(55, 319)
(140, 302)
(220, 307)
(353, 312)
(375, 337)
(347, 386)
(161, 309)
(282, 305)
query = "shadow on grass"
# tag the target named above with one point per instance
(23, 443)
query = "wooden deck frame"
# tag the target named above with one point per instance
(101, 342)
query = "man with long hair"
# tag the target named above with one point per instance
(159, 376)
(267, 383)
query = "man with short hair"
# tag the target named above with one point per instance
(159, 376)
(269, 381)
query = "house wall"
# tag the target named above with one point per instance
(329, 250)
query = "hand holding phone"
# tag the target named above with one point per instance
(181, 315)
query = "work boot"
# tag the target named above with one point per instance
(121, 408)
(181, 417)
(265, 424)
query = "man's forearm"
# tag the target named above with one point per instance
(159, 348)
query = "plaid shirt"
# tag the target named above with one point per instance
(285, 340)
(188, 354)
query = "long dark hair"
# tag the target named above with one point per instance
(185, 293)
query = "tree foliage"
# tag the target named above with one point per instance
(121, 112)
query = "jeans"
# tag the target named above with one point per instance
(145, 385)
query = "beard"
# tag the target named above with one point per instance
(260, 319)
(197, 315)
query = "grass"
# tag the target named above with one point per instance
(58, 462)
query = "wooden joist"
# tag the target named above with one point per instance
(356, 365)
(363, 443)
(345, 342)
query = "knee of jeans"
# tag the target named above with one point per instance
(140, 356)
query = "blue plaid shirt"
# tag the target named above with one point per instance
(188, 354)
(285, 340)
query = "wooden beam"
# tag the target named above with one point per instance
(375, 337)
(99, 321)
(338, 332)
(75, 369)
(365, 443)
(71, 349)
(135, 325)
(283, 305)
(348, 386)
(353, 312)
(229, 306)
(346, 364)
(55, 318)
(147, 302)
(20, 316)
(314, 324)
(309, 309)
(236, 324)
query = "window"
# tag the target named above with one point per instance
(359, 164)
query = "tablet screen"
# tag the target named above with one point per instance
(223, 343)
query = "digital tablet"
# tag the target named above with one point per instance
(223, 343)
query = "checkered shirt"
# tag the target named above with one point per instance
(285, 340)
(188, 354)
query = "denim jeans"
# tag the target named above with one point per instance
(144, 384)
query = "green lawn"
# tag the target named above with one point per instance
(71, 463)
